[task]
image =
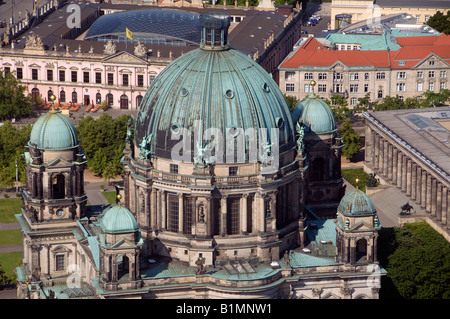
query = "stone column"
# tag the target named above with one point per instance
(429, 191)
(180, 213)
(399, 169)
(394, 165)
(408, 176)
(223, 215)
(418, 185)
(404, 172)
(413, 180)
(389, 162)
(433, 196)
(444, 205)
(439, 201)
(376, 153)
(423, 190)
(244, 200)
(163, 210)
(369, 153)
(153, 207)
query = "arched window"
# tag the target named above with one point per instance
(361, 249)
(233, 216)
(124, 101)
(98, 98)
(74, 97)
(123, 266)
(380, 94)
(49, 94)
(109, 99)
(35, 95)
(62, 96)
(173, 213)
(58, 184)
(138, 100)
(318, 169)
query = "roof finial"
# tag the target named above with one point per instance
(312, 83)
(53, 98)
(118, 198)
(357, 181)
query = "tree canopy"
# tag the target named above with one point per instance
(417, 260)
(440, 22)
(13, 102)
(350, 138)
(12, 146)
(103, 141)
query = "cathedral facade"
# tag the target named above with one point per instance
(227, 194)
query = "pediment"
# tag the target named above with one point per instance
(362, 227)
(124, 57)
(436, 60)
(123, 243)
(338, 66)
(58, 162)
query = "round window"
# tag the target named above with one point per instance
(60, 213)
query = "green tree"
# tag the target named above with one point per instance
(12, 146)
(103, 141)
(339, 106)
(292, 101)
(432, 99)
(440, 22)
(13, 102)
(350, 138)
(3, 277)
(417, 260)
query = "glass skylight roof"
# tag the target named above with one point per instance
(150, 24)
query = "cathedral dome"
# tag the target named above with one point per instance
(118, 219)
(213, 87)
(356, 203)
(53, 131)
(316, 114)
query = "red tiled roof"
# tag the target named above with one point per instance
(412, 51)
(314, 54)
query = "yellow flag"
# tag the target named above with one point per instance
(129, 34)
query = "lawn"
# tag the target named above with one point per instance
(10, 261)
(351, 174)
(9, 207)
(10, 237)
(110, 196)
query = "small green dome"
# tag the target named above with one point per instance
(53, 131)
(118, 219)
(356, 203)
(316, 114)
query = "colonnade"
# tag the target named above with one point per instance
(397, 165)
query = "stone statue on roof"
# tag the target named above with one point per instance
(139, 49)
(110, 48)
(34, 42)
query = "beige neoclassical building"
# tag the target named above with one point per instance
(409, 149)
(361, 10)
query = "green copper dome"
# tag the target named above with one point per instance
(356, 203)
(53, 131)
(315, 114)
(118, 219)
(217, 88)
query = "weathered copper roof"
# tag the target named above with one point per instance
(53, 131)
(217, 89)
(356, 203)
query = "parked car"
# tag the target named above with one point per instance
(2, 23)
